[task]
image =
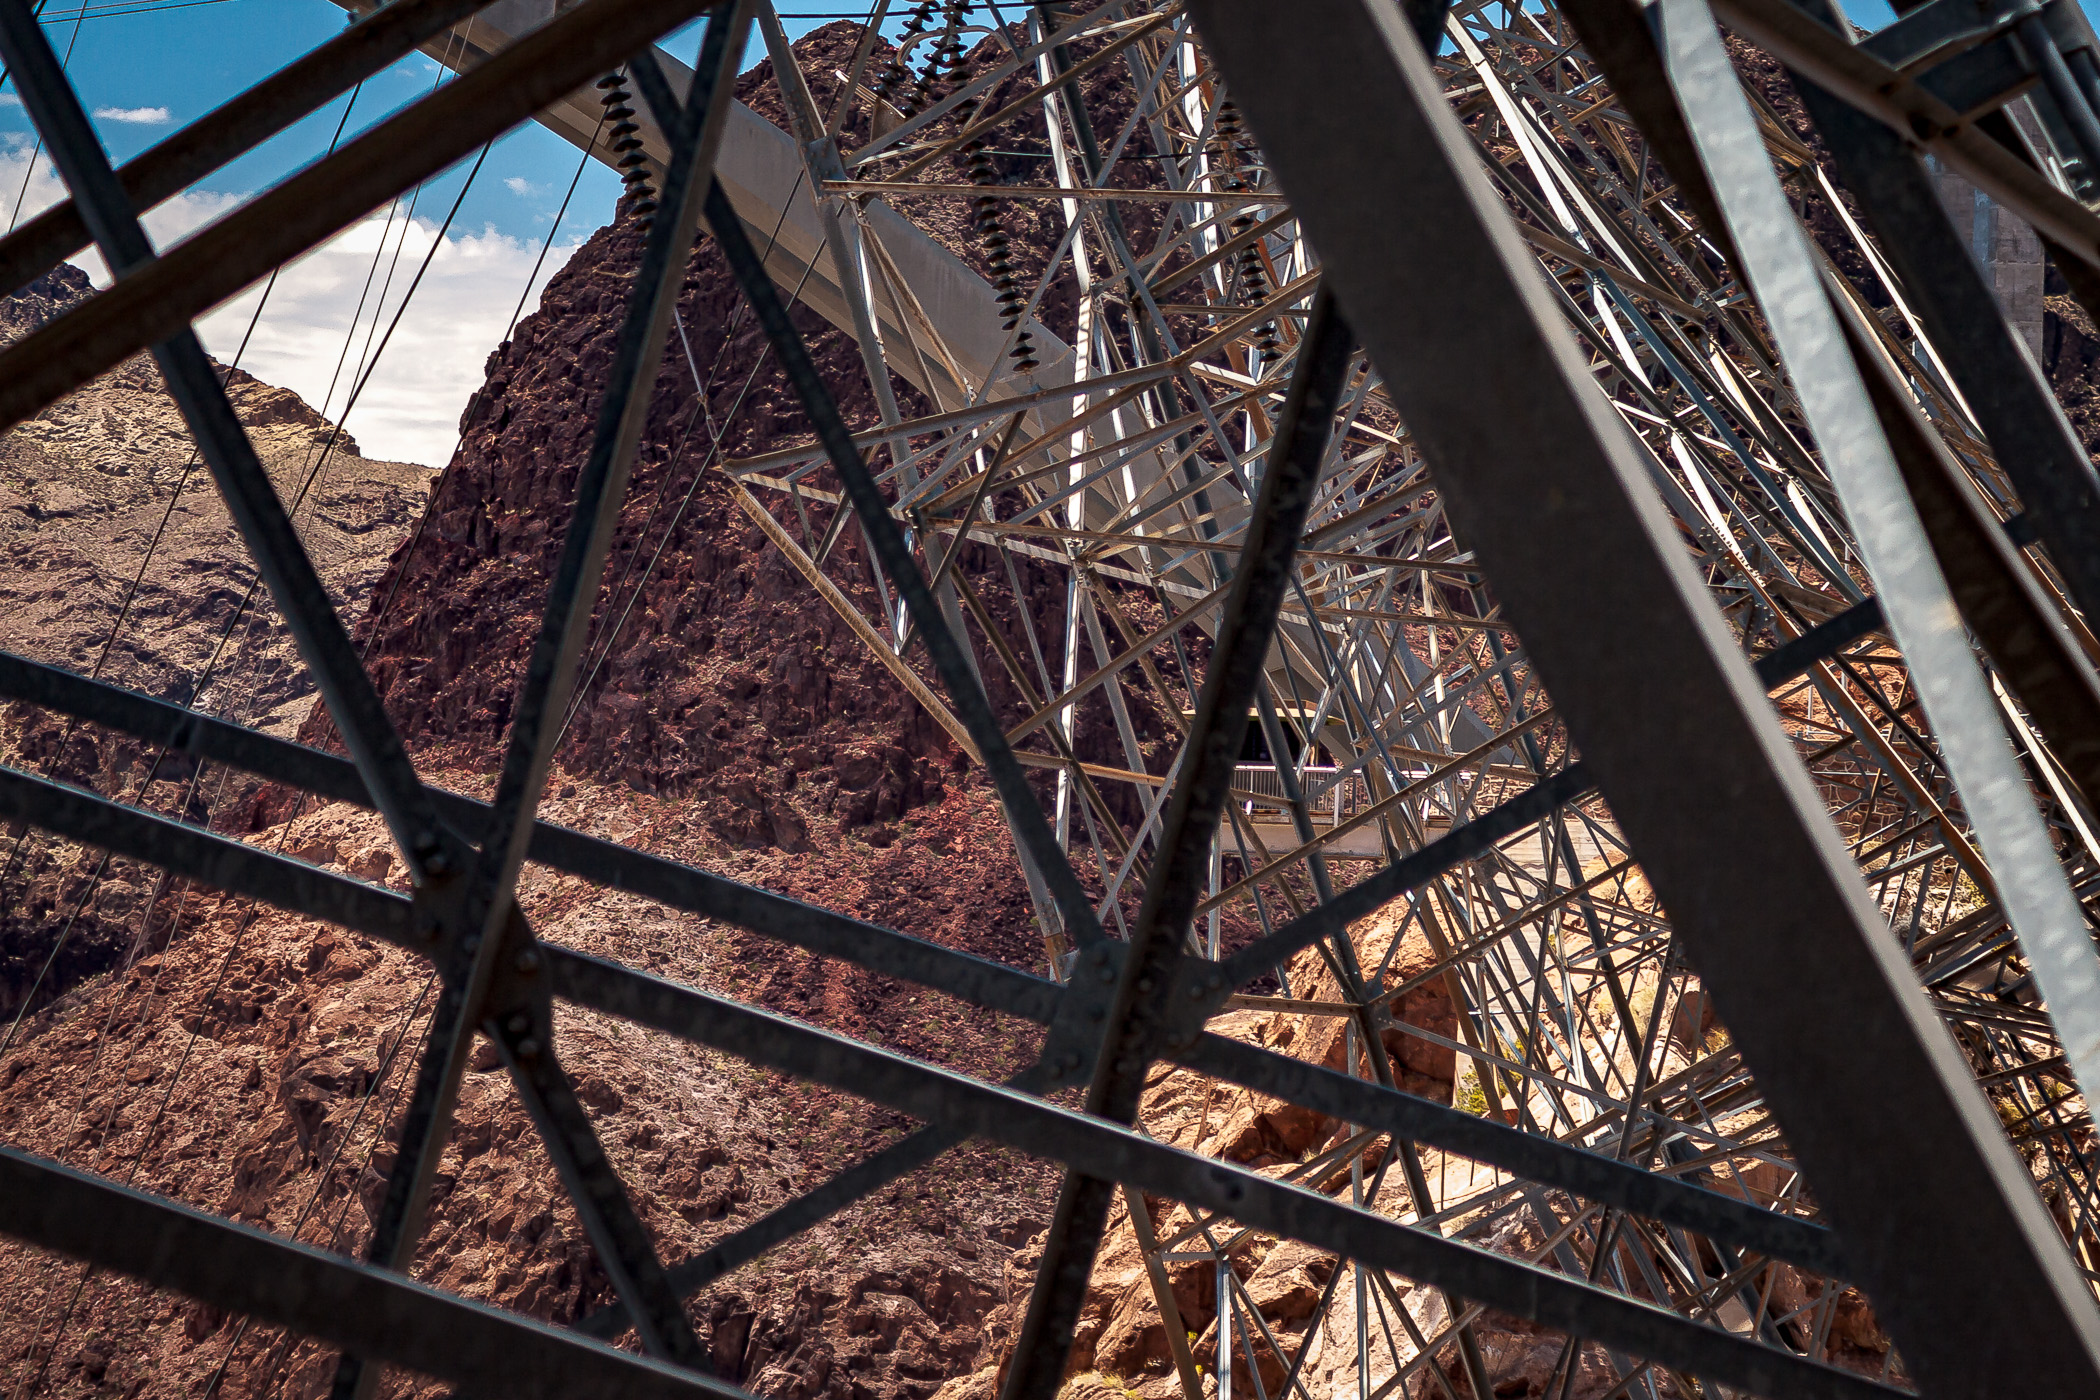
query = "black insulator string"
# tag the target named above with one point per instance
(624, 138)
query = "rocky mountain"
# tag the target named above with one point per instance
(118, 559)
(253, 1063)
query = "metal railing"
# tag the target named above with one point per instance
(1332, 795)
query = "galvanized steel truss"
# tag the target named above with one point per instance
(1528, 357)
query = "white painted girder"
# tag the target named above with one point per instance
(764, 177)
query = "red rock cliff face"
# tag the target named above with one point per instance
(715, 672)
(248, 1066)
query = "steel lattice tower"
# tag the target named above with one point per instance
(1635, 609)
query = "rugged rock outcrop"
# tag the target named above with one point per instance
(118, 559)
(253, 1063)
(1121, 1341)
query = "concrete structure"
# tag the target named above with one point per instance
(2007, 248)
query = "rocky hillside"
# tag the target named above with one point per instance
(253, 1063)
(87, 485)
(246, 1061)
(117, 559)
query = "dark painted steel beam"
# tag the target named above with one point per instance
(237, 127)
(250, 496)
(485, 920)
(291, 884)
(218, 861)
(1537, 478)
(979, 981)
(327, 197)
(391, 1318)
(1531, 1156)
(369, 1311)
(1139, 1016)
(653, 1305)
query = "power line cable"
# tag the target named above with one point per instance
(38, 149)
(602, 645)
(423, 521)
(239, 938)
(138, 578)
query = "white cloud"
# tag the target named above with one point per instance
(434, 362)
(134, 116)
(409, 411)
(8, 99)
(523, 188)
(42, 189)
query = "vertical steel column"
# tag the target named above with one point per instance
(1537, 475)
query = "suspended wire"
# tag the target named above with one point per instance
(473, 405)
(37, 150)
(714, 452)
(371, 366)
(138, 578)
(380, 1076)
(120, 10)
(605, 641)
(238, 941)
(289, 1340)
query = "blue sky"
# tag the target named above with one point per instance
(146, 67)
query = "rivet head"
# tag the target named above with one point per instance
(528, 1049)
(519, 1023)
(529, 961)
